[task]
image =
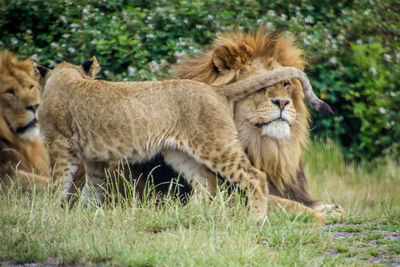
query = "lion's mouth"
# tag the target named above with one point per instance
(259, 125)
(21, 130)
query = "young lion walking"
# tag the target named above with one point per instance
(102, 122)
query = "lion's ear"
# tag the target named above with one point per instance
(231, 57)
(91, 67)
(40, 73)
(222, 58)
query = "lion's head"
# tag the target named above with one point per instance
(273, 123)
(19, 98)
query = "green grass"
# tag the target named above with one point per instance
(33, 227)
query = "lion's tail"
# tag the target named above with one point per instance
(238, 90)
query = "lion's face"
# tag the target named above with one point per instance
(270, 111)
(19, 100)
(273, 111)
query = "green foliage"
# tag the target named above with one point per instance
(352, 47)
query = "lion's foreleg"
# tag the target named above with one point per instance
(64, 163)
(95, 186)
(28, 179)
(197, 175)
(291, 206)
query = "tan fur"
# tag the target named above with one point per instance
(22, 155)
(103, 122)
(237, 56)
(198, 174)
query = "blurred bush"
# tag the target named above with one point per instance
(352, 46)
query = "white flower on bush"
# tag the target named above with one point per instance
(93, 42)
(66, 35)
(392, 94)
(132, 70)
(85, 11)
(179, 54)
(359, 42)
(154, 66)
(54, 45)
(283, 17)
(269, 26)
(35, 58)
(14, 41)
(398, 55)
(308, 20)
(63, 19)
(271, 13)
(163, 63)
(373, 71)
(333, 60)
(387, 57)
(382, 110)
(150, 36)
(71, 50)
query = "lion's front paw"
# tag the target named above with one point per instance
(330, 209)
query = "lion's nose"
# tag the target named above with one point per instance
(281, 103)
(33, 108)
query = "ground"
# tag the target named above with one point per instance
(35, 230)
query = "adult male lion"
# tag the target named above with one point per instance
(22, 154)
(273, 124)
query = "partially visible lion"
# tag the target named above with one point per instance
(23, 157)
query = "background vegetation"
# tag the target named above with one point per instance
(352, 46)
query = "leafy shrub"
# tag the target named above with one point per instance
(352, 47)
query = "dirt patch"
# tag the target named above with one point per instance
(368, 243)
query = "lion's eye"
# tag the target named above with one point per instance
(10, 91)
(261, 90)
(286, 85)
(31, 87)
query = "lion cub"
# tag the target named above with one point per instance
(102, 122)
